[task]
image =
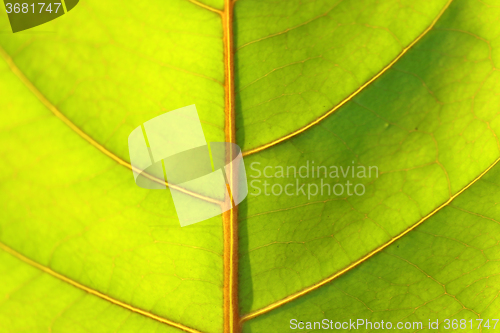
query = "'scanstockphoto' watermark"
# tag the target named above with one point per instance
(310, 180)
(172, 148)
(366, 324)
(327, 324)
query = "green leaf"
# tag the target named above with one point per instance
(71, 208)
(300, 59)
(409, 88)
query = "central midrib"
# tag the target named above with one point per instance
(230, 218)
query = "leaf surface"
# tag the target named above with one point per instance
(74, 209)
(428, 125)
(409, 88)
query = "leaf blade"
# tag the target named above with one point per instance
(438, 271)
(122, 249)
(292, 243)
(316, 63)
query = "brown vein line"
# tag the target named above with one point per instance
(230, 228)
(289, 29)
(94, 292)
(202, 5)
(13, 67)
(364, 258)
(356, 92)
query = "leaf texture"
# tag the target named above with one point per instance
(408, 87)
(445, 269)
(427, 124)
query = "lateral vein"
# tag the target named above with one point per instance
(202, 5)
(321, 283)
(355, 93)
(34, 90)
(94, 292)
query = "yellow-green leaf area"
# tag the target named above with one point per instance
(406, 90)
(300, 59)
